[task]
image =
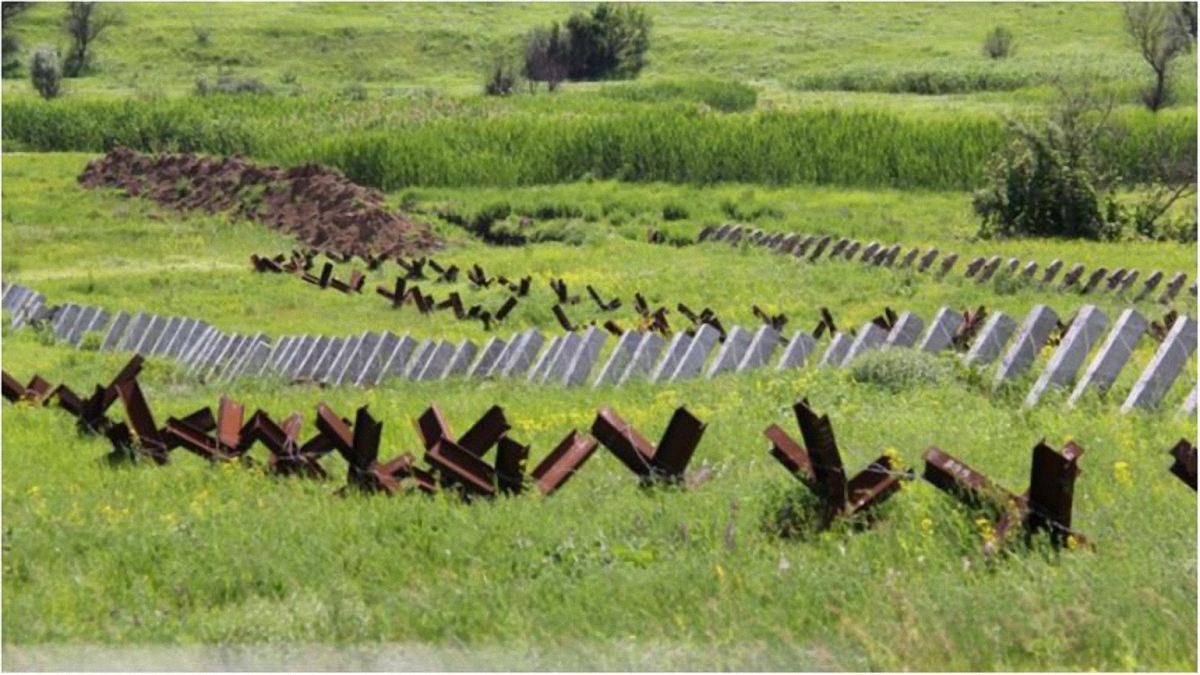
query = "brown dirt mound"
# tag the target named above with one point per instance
(315, 204)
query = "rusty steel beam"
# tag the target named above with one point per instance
(818, 465)
(1046, 506)
(563, 461)
(665, 462)
(1184, 466)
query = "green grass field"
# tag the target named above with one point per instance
(603, 575)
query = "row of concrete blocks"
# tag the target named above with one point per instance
(367, 359)
(1086, 331)
(982, 269)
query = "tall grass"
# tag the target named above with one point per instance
(723, 95)
(647, 142)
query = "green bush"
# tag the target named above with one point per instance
(999, 43)
(674, 212)
(45, 71)
(10, 47)
(898, 369)
(1047, 183)
(501, 79)
(608, 43)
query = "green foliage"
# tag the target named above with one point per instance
(1047, 182)
(547, 55)
(610, 43)
(999, 43)
(900, 369)
(46, 73)
(723, 95)
(84, 22)
(501, 77)
(674, 212)
(10, 47)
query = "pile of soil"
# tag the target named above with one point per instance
(317, 205)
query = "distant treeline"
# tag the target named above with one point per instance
(647, 142)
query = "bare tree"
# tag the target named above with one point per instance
(1160, 32)
(84, 22)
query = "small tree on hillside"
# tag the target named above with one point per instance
(546, 54)
(1161, 33)
(84, 22)
(45, 72)
(999, 44)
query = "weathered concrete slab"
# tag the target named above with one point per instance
(644, 357)
(1165, 367)
(836, 352)
(581, 365)
(906, 332)
(438, 361)
(1034, 332)
(464, 355)
(670, 361)
(420, 359)
(571, 344)
(797, 351)
(371, 368)
(1085, 332)
(395, 363)
(354, 366)
(761, 348)
(869, 337)
(1112, 356)
(732, 351)
(133, 333)
(488, 356)
(618, 360)
(691, 364)
(527, 347)
(341, 358)
(115, 331)
(991, 340)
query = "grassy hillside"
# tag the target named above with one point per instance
(778, 46)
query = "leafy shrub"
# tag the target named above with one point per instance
(501, 78)
(898, 369)
(46, 73)
(608, 43)
(10, 47)
(203, 34)
(999, 43)
(674, 212)
(1046, 182)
